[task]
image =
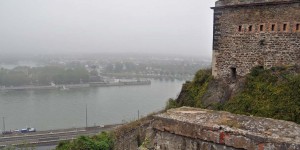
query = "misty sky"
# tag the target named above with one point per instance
(143, 26)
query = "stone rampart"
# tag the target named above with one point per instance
(193, 129)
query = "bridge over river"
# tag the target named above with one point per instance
(50, 137)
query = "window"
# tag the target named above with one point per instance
(261, 28)
(297, 27)
(273, 27)
(284, 27)
(233, 73)
(250, 28)
(240, 28)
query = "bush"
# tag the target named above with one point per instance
(195, 90)
(171, 103)
(103, 141)
(272, 93)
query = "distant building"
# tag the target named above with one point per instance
(96, 79)
(249, 33)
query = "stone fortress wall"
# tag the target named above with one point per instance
(188, 128)
(192, 129)
(249, 33)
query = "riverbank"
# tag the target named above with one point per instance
(72, 86)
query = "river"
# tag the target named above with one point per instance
(56, 109)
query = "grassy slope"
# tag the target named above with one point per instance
(192, 92)
(273, 93)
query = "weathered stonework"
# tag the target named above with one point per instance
(200, 129)
(191, 128)
(249, 33)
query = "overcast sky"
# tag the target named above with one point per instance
(143, 26)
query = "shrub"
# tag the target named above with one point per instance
(195, 90)
(103, 141)
(171, 103)
(270, 93)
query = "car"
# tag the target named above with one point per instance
(31, 129)
(24, 130)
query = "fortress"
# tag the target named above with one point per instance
(249, 33)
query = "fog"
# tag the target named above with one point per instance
(181, 27)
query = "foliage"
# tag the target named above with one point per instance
(171, 103)
(272, 93)
(146, 143)
(21, 76)
(24, 146)
(196, 89)
(9, 148)
(103, 141)
(157, 68)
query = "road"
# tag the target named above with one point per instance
(51, 137)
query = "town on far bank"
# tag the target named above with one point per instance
(78, 71)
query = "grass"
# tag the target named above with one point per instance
(272, 93)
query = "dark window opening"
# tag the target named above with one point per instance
(250, 28)
(273, 27)
(260, 67)
(284, 27)
(297, 27)
(240, 28)
(261, 28)
(233, 73)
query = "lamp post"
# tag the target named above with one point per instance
(86, 122)
(3, 118)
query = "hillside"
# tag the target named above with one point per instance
(272, 93)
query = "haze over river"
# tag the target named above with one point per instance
(56, 109)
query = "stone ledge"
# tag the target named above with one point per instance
(237, 131)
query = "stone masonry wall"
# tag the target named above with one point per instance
(265, 34)
(129, 140)
(191, 128)
(169, 141)
(188, 128)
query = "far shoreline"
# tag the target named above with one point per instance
(73, 86)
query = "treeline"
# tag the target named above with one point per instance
(163, 70)
(182, 68)
(21, 76)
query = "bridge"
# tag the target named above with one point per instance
(50, 137)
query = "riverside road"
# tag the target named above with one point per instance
(51, 137)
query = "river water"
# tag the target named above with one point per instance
(56, 109)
